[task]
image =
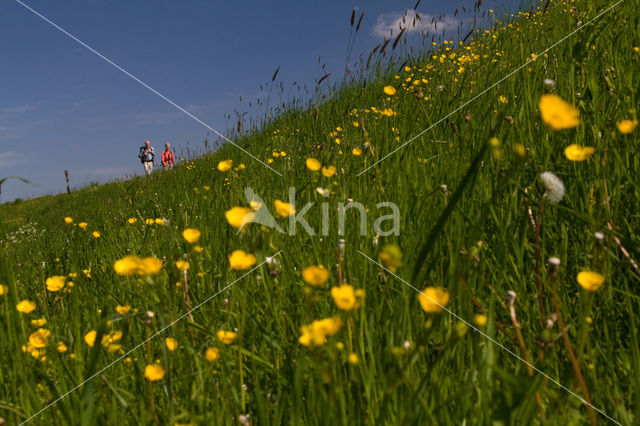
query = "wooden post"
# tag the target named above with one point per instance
(66, 177)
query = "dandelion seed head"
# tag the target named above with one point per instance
(554, 188)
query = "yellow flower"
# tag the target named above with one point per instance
(183, 265)
(149, 266)
(346, 298)
(61, 347)
(503, 100)
(590, 281)
(150, 221)
(26, 306)
(133, 265)
(83, 225)
(389, 90)
(578, 153)
(315, 334)
(197, 249)
(55, 283)
(480, 320)
(255, 205)
(123, 310)
(38, 322)
(153, 372)
(172, 344)
(227, 337)
(212, 354)
(40, 338)
(241, 167)
(191, 235)
(68, 220)
(159, 221)
(356, 151)
(284, 209)
(241, 260)
(391, 257)
(3, 289)
(225, 166)
(132, 220)
(328, 171)
(433, 299)
(90, 338)
(627, 126)
(313, 164)
(96, 234)
(239, 216)
(352, 359)
(315, 275)
(557, 113)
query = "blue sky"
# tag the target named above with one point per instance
(64, 108)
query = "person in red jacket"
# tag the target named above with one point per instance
(167, 157)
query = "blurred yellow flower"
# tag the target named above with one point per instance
(150, 221)
(26, 306)
(153, 372)
(172, 344)
(3, 289)
(123, 309)
(433, 299)
(61, 347)
(241, 260)
(578, 153)
(239, 216)
(132, 220)
(159, 221)
(227, 337)
(315, 334)
(356, 151)
(68, 220)
(284, 209)
(95, 234)
(212, 354)
(480, 320)
(241, 166)
(389, 90)
(255, 205)
(328, 171)
(315, 275)
(183, 265)
(346, 298)
(38, 322)
(55, 283)
(557, 113)
(225, 166)
(391, 257)
(83, 225)
(590, 281)
(133, 265)
(352, 359)
(90, 338)
(313, 164)
(191, 235)
(39, 338)
(627, 126)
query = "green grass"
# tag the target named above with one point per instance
(447, 373)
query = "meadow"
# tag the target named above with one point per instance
(510, 294)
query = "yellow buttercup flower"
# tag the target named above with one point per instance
(172, 344)
(183, 265)
(83, 225)
(132, 220)
(225, 166)
(590, 281)
(26, 306)
(55, 283)
(40, 338)
(315, 334)
(557, 113)
(353, 359)
(328, 171)
(389, 90)
(433, 299)
(239, 216)
(150, 221)
(315, 275)
(313, 164)
(284, 209)
(3, 289)
(346, 297)
(356, 151)
(68, 220)
(212, 354)
(578, 153)
(62, 348)
(241, 260)
(159, 221)
(191, 235)
(255, 205)
(227, 337)
(95, 234)
(153, 372)
(38, 322)
(123, 309)
(627, 126)
(90, 338)
(391, 257)
(133, 265)
(149, 266)
(480, 320)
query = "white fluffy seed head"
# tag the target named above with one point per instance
(554, 188)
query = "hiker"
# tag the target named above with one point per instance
(167, 157)
(146, 156)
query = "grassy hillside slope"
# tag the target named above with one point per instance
(474, 222)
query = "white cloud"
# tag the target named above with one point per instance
(10, 158)
(390, 24)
